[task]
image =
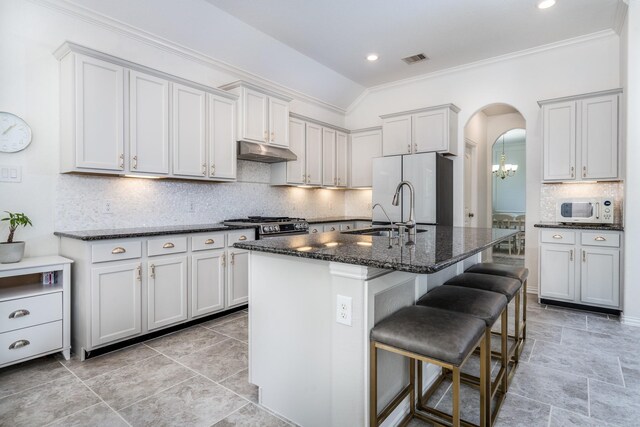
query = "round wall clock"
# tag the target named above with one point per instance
(15, 133)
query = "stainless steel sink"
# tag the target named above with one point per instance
(379, 232)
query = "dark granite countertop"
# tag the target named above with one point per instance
(325, 220)
(123, 233)
(435, 249)
(602, 227)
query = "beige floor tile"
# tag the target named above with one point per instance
(109, 361)
(237, 328)
(22, 376)
(99, 415)
(239, 383)
(219, 361)
(251, 416)
(186, 341)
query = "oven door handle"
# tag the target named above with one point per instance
(597, 210)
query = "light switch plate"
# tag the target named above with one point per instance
(10, 173)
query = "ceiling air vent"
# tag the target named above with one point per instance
(415, 58)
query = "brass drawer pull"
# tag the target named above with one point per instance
(557, 236)
(233, 256)
(209, 242)
(600, 239)
(333, 229)
(243, 237)
(19, 313)
(153, 271)
(19, 344)
(314, 230)
(168, 245)
(118, 250)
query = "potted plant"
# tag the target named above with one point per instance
(11, 251)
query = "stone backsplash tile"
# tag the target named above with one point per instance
(550, 193)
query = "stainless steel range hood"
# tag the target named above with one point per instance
(264, 153)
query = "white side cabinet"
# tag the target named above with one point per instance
(329, 178)
(263, 115)
(35, 316)
(580, 137)
(189, 132)
(125, 288)
(433, 129)
(581, 266)
(366, 145)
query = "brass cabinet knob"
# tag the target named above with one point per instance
(152, 271)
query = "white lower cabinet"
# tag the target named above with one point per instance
(583, 268)
(238, 278)
(207, 282)
(166, 292)
(115, 302)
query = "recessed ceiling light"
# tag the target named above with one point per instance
(545, 4)
(372, 57)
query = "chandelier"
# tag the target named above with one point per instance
(504, 169)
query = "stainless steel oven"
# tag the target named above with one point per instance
(267, 227)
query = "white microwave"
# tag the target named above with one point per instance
(585, 210)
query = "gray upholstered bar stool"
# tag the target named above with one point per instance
(486, 306)
(510, 288)
(518, 273)
(430, 335)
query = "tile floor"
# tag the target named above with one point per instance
(193, 377)
(578, 369)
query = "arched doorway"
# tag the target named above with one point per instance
(487, 195)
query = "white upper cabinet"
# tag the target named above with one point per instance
(342, 159)
(296, 169)
(117, 117)
(263, 115)
(189, 131)
(433, 129)
(278, 122)
(580, 137)
(365, 146)
(221, 137)
(329, 157)
(148, 123)
(599, 137)
(92, 111)
(314, 154)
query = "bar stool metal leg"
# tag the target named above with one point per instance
(373, 384)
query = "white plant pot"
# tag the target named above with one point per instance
(11, 252)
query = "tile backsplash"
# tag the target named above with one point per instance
(81, 199)
(551, 192)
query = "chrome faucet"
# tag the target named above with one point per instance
(411, 222)
(389, 219)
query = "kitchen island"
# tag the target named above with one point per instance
(314, 299)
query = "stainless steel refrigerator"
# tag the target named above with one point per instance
(432, 177)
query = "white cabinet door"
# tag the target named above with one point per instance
(278, 122)
(600, 277)
(207, 283)
(255, 126)
(420, 170)
(148, 123)
(396, 136)
(238, 284)
(166, 292)
(329, 157)
(342, 159)
(599, 137)
(559, 141)
(430, 131)
(189, 131)
(115, 303)
(314, 154)
(365, 147)
(99, 106)
(222, 141)
(296, 168)
(557, 272)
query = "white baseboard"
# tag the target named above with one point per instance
(631, 321)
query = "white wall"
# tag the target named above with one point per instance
(631, 67)
(509, 194)
(520, 81)
(475, 133)
(31, 30)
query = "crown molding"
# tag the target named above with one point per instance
(481, 63)
(615, 91)
(621, 16)
(92, 17)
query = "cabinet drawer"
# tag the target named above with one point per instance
(167, 245)
(600, 239)
(241, 236)
(315, 229)
(27, 342)
(201, 242)
(26, 312)
(558, 236)
(114, 251)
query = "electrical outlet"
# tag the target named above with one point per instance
(107, 207)
(343, 310)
